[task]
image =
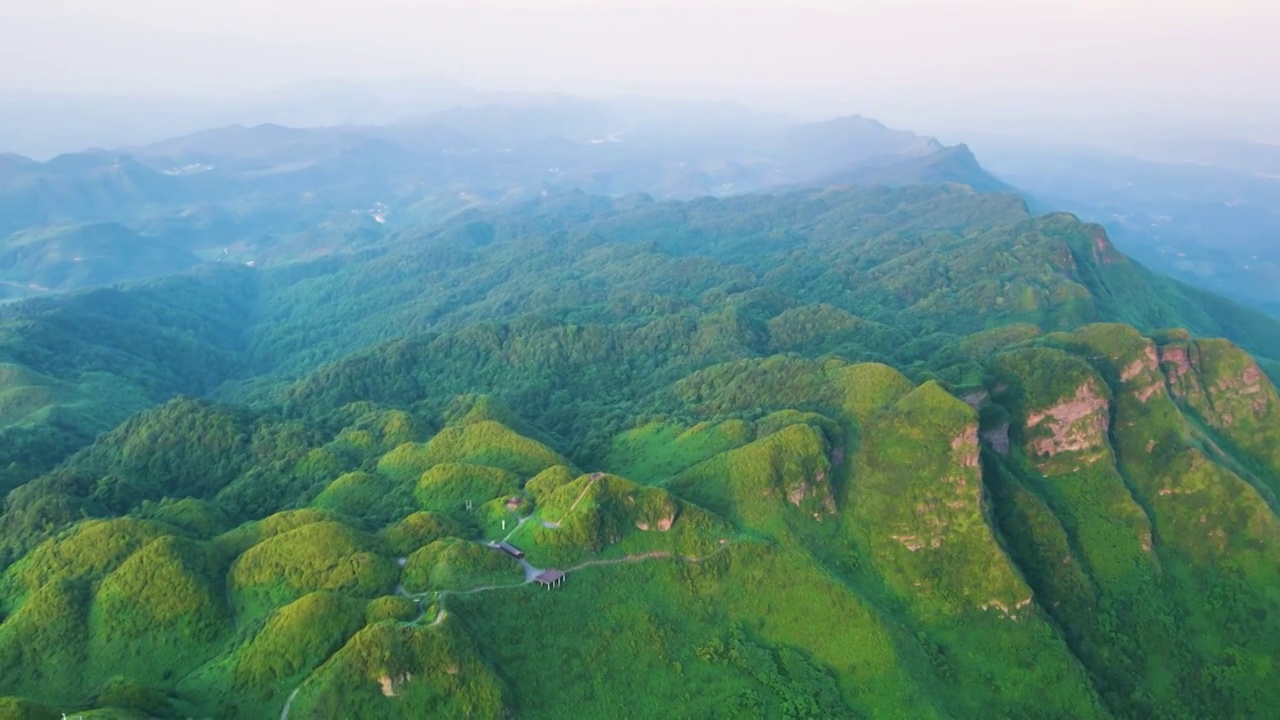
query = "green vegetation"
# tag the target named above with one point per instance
(159, 611)
(454, 564)
(419, 529)
(487, 442)
(324, 555)
(22, 709)
(878, 453)
(387, 669)
(296, 638)
(752, 485)
(448, 489)
(657, 451)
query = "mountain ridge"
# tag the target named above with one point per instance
(672, 266)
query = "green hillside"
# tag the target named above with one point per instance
(859, 453)
(873, 549)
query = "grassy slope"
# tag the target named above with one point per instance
(833, 560)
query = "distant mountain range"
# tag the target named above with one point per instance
(1192, 201)
(271, 194)
(44, 124)
(267, 193)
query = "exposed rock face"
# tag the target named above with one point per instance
(1144, 394)
(1176, 360)
(1078, 424)
(1103, 251)
(819, 490)
(389, 683)
(810, 493)
(1008, 612)
(1247, 389)
(797, 493)
(1148, 363)
(1252, 377)
(967, 442)
(1261, 403)
(1143, 374)
(663, 524)
(1180, 362)
(913, 542)
(1197, 377)
(654, 511)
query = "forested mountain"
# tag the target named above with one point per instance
(92, 185)
(901, 273)
(836, 452)
(489, 152)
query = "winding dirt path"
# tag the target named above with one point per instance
(519, 523)
(653, 555)
(594, 479)
(284, 714)
(530, 573)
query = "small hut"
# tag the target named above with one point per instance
(511, 550)
(549, 578)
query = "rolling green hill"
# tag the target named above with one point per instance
(873, 548)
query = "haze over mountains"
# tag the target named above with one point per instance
(269, 193)
(1207, 212)
(44, 124)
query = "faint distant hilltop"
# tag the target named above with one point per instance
(42, 124)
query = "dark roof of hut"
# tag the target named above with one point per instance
(546, 577)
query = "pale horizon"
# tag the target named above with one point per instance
(926, 65)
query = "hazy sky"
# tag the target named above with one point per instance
(972, 58)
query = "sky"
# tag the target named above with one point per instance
(972, 63)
